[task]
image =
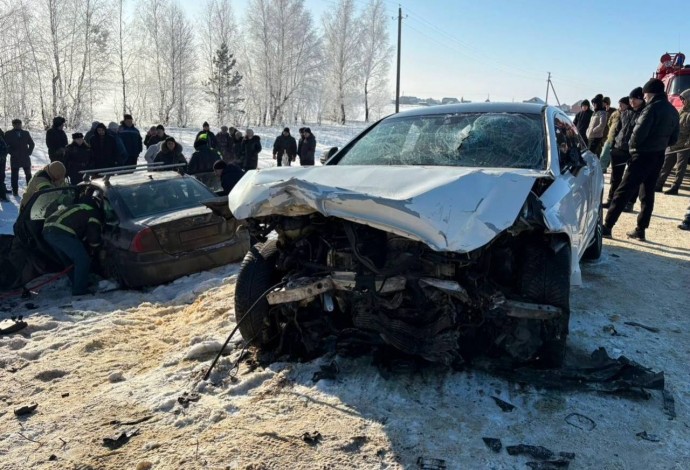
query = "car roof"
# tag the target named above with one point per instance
(138, 177)
(524, 108)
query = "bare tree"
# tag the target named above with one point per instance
(377, 52)
(342, 46)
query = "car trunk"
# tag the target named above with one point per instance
(189, 230)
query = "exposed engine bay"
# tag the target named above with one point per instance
(366, 287)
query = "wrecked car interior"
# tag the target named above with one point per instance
(441, 236)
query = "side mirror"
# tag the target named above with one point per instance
(328, 154)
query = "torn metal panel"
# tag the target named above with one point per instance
(447, 208)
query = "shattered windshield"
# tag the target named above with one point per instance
(484, 140)
(159, 197)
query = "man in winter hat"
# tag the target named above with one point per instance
(131, 138)
(206, 129)
(56, 139)
(20, 146)
(286, 145)
(656, 128)
(77, 158)
(50, 176)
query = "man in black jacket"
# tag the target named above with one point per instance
(285, 144)
(131, 138)
(307, 148)
(206, 129)
(56, 139)
(656, 128)
(67, 230)
(203, 159)
(582, 120)
(103, 148)
(3, 163)
(251, 147)
(77, 158)
(160, 136)
(20, 146)
(229, 175)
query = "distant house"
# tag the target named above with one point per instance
(576, 107)
(463, 100)
(409, 100)
(449, 101)
(536, 100)
(565, 108)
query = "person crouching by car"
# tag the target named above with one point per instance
(67, 230)
(170, 154)
(229, 175)
(50, 176)
(203, 159)
(77, 158)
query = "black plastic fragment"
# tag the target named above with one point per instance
(549, 464)
(648, 437)
(312, 438)
(580, 421)
(26, 409)
(187, 398)
(52, 458)
(493, 443)
(426, 463)
(537, 452)
(503, 405)
(121, 439)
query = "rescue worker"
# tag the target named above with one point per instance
(68, 230)
(50, 176)
(656, 128)
(285, 144)
(78, 158)
(203, 159)
(229, 175)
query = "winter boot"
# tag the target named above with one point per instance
(637, 234)
(673, 191)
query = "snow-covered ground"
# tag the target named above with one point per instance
(96, 361)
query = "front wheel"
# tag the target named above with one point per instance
(545, 279)
(257, 275)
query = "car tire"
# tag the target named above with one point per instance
(257, 274)
(593, 251)
(545, 279)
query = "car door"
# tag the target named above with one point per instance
(31, 219)
(568, 201)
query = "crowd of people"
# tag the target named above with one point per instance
(642, 141)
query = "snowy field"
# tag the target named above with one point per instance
(123, 361)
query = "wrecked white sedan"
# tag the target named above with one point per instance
(443, 232)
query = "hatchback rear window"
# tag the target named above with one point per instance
(159, 197)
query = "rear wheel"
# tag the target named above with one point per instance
(545, 279)
(257, 274)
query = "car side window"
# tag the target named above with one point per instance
(568, 143)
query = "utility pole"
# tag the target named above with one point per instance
(397, 81)
(548, 85)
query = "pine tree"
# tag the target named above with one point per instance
(223, 86)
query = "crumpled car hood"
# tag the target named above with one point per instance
(447, 208)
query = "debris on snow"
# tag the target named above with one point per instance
(116, 377)
(25, 409)
(648, 437)
(493, 443)
(203, 349)
(425, 463)
(121, 439)
(312, 438)
(504, 405)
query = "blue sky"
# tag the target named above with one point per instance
(504, 48)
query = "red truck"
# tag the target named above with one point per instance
(675, 75)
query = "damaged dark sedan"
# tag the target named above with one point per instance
(442, 232)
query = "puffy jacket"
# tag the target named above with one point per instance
(168, 157)
(39, 182)
(656, 128)
(20, 147)
(79, 220)
(229, 178)
(224, 140)
(306, 150)
(77, 158)
(626, 125)
(122, 154)
(250, 153)
(285, 143)
(597, 125)
(684, 124)
(612, 125)
(202, 160)
(56, 140)
(131, 138)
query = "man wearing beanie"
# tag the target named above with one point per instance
(77, 158)
(50, 176)
(56, 139)
(131, 138)
(285, 145)
(582, 120)
(655, 129)
(206, 129)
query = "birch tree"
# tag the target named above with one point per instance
(342, 46)
(377, 53)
